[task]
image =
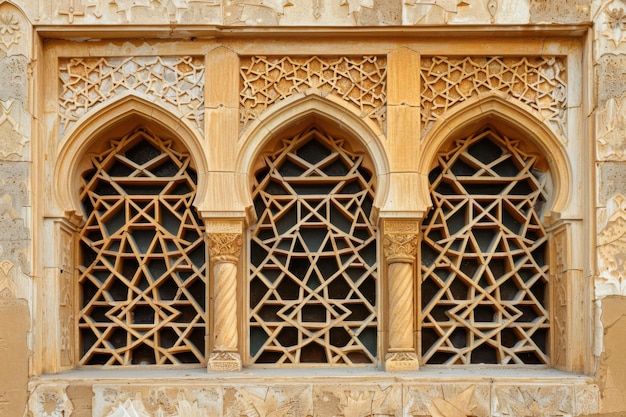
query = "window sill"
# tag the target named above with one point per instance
(431, 374)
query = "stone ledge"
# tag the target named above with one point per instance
(479, 392)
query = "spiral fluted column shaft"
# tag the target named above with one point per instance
(225, 304)
(401, 305)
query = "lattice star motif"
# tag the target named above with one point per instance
(358, 80)
(143, 256)
(87, 82)
(483, 255)
(538, 82)
(313, 255)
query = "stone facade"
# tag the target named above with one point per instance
(314, 293)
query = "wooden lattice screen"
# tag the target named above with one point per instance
(484, 270)
(142, 273)
(313, 255)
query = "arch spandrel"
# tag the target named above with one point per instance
(297, 112)
(114, 119)
(511, 119)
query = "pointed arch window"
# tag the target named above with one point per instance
(313, 263)
(142, 272)
(485, 282)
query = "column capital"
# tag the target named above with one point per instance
(400, 240)
(225, 239)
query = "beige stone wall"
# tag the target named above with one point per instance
(44, 122)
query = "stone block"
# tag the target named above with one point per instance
(268, 400)
(357, 400)
(14, 357)
(442, 400)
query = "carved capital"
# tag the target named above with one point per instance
(400, 247)
(225, 247)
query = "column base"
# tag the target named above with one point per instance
(401, 362)
(224, 362)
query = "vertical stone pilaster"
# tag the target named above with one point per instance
(225, 242)
(400, 242)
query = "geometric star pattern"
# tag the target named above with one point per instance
(484, 291)
(313, 275)
(142, 274)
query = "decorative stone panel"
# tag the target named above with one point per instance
(538, 82)
(611, 129)
(543, 400)
(612, 249)
(360, 81)
(152, 400)
(173, 81)
(447, 400)
(349, 400)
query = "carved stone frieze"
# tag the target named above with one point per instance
(538, 82)
(357, 400)
(268, 401)
(545, 400)
(156, 401)
(360, 81)
(50, 400)
(612, 250)
(173, 81)
(127, 11)
(447, 400)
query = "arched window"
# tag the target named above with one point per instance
(313, 263)
(142, 269)
(484, 267)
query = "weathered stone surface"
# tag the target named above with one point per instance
(562, 11)
(440, 399)
(81, 396)
(160, 400)
(14, 355)
(610, 77)
(13, 78)
(611, 375)
(357, 400)
(611, 180)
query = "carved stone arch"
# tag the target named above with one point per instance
(510, 118)
(297, 111)
(117, 118)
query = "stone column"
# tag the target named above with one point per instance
(225, 241)
(400, 242)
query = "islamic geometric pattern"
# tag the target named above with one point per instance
(360, 81)
(176, 81)
(484, 291)
(313, 274)
(142, 274)
(538, 82)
